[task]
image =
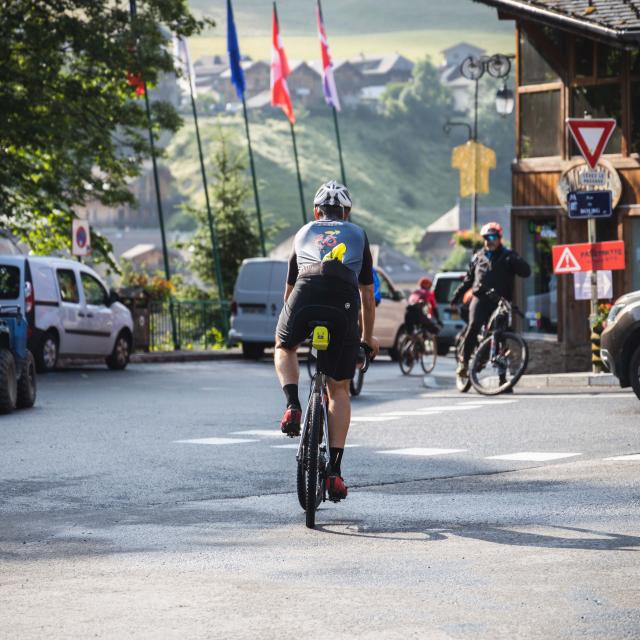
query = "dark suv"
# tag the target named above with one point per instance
(620, 341)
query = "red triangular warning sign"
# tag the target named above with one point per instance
(591, 136)
(567, 263)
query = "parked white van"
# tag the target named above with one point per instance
(258, 297)
(71, 312)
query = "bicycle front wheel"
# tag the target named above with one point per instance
(429, 354)
(355, 386)
(495, 372)
(313, 480)
(406, 356)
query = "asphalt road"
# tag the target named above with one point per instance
(160, 502)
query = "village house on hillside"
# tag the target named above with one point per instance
(573, 57)
(451, 77)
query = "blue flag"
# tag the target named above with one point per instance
(237, 75)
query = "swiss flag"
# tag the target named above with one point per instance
(279, 71)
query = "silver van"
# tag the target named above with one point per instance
(258, 297)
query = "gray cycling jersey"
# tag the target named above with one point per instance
(328, 240)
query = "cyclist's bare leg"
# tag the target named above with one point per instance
(339, 412)
(286, 361)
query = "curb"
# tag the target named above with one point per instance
(541, 381)
(185, 356)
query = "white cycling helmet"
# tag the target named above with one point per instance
(332, 193)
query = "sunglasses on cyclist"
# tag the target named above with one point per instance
(491, 237)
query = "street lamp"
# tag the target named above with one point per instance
(497, 66)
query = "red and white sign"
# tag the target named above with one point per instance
(591, 136)
(81, 238)
(572, 258)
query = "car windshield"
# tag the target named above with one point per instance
(445, 288)
(9, 282)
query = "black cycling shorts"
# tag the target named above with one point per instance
(330, 300)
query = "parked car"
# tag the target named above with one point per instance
(620, 341)
(444, 284)
(258, 300)
(70, 312)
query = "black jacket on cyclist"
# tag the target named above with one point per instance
(493, 270)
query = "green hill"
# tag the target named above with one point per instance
(413, 28)
(401, 180)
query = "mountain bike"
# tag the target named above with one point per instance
(501, 357)
(313, 452)
(418, 346)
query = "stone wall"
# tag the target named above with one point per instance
(549, 356)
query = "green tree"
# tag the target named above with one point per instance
(237, 239)
(73, 128)
(423, 100)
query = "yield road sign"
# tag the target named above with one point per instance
(591, 136)
(571, 258)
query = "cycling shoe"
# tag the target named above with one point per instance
(336, 488)
(290, 423)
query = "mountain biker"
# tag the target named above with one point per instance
(490, 276)
(330, 275)
(422, 308)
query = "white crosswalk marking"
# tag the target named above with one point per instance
(373, 418)
(295, 446)
(533, 456)
(632, 457)
(262, 433)
(215, 441)
(421, 451)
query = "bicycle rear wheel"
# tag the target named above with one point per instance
(406, 356)
(493, 375)
(429, 354)
(313, 480)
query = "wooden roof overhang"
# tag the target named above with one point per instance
(616, 22)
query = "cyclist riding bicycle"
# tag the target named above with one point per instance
(490, 276)
(330, 278)
(422, 308)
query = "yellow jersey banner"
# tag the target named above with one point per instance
(474, 161)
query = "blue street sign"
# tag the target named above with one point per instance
(589, 204)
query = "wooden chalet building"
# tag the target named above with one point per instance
(573, 56)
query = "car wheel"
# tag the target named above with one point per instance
(8, 382)
(634, 372)
(121, 353)
(27, 383)
(252, 350)
(47, 354)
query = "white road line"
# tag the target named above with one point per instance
(295, 446)
(632, 457)
(420, 451)
(399, 414)
(216, 441)
(533, 456)
(373, 418)
(263, 433)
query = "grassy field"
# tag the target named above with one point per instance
(412, 44)
(400, 182)
(353, 17)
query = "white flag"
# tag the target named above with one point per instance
(183, 59)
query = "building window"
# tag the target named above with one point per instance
(609, 62)
(599, 101)
(540, 291)
(585, 58)
(540, 126)
(635, 117)
(535, 68)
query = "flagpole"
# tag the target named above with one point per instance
(212, 229)
(335, 122)
(253, 176)
(165, 253)
(295, 154)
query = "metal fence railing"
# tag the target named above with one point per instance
(200, 324)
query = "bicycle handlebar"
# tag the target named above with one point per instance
(367, 351)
